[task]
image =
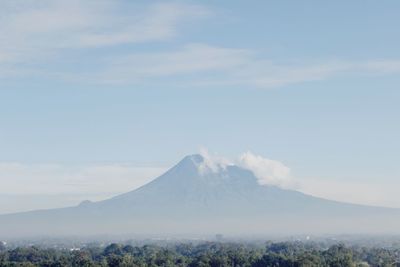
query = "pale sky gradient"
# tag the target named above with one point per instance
(99, 97)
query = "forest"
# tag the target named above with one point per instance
(203, 254)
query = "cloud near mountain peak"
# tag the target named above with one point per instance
(267, 171)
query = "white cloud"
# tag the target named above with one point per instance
(212, 163)
(267, 171)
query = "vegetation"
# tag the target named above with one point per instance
(293, 254)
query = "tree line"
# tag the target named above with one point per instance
(213, 254)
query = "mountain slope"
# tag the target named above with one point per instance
(192, 198)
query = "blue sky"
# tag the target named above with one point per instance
(139, 84)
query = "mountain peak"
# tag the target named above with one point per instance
(202, 164)
(189, 163)
(206, 163)
(194, 158)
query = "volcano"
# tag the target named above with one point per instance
(193, 199)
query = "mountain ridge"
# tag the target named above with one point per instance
(195, 197)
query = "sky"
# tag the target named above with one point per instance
(100, 97)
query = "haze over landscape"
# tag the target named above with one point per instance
(192, 118)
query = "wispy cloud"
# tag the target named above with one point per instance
(33, 30)
(159, 22)
(54, 39)
(19, 178)
(198, 65)
(41, 186)
(192, 58)
(212, 162)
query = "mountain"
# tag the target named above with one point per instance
(195, 199)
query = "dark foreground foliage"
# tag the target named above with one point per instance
(283, 254)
